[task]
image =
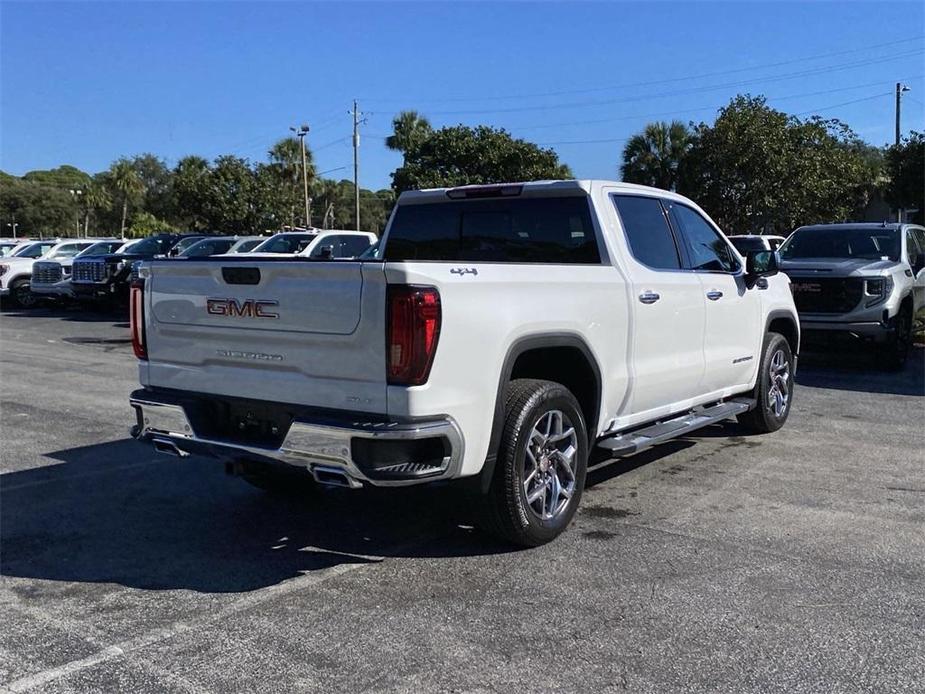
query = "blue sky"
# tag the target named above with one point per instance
(83, 83)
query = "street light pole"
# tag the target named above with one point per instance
(76, 193)
(301, 132)
(13, 226)
(900, 88)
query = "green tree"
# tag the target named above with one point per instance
(461, 155)
(653, 157)
(409, 131)
(129, 187)
(757, 169)
(145, 224)
(189, 187)
(906, 170)
(231, 196)
(38, 209)
(155, 179)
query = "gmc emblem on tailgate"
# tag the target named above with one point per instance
(249, 308)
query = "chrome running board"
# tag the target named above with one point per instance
(630, 442)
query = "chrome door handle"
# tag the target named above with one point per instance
(649, 297)
(714, 295)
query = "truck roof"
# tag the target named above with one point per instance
(860, 225)
(532, 188)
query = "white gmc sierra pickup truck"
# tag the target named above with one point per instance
(507, 334)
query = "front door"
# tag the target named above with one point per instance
(667, 308)
(732, 331)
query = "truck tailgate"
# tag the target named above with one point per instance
(286, 331)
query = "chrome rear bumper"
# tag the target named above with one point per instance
(321, 447)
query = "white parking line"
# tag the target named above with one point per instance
(247, 602)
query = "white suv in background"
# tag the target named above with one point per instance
(51, 277)
(16, 269)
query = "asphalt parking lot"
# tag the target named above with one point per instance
(793, 562)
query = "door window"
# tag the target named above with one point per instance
(707, 250)
(647, 232)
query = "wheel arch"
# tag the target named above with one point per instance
(528, 357)
(787, 324)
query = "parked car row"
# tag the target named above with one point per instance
(101, 270)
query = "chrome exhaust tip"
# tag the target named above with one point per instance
(334, 477)
(168, 447)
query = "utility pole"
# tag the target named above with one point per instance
(356, 163)
(900, 88)
(300, 133)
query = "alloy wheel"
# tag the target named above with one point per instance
(549, 465)
(779, 389)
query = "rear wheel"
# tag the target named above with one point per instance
(773, 392)
(542, 462)
(21, 293)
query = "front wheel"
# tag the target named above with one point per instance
(895, 352)
(21, 293)
(542, 462)
(773, 392)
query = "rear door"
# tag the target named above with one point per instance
(290, 331)
(732, 331)
(667, 306)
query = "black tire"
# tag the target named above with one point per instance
(506, 512)
(895, 352)
(21, 294)
(276, 479)
(768, 414)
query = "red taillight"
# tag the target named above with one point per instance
(412, 333)
(137, 314)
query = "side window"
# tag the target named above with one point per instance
(647, 232)
(912, 246)
(353, 246)
(706, 248)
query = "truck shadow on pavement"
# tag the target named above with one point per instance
(857, 370)
(118, 513)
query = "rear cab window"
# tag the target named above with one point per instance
(647, 232)
(550, 230)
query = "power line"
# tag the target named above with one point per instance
(700, 108)
(844, 103)
(672, 80)
(692, 90)
(624, 139)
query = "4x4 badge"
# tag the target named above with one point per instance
(464, 271)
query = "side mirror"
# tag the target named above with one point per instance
(761, 264)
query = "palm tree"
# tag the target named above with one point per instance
(127, 182)
(95, 197)
(409, 130)
(653, 156)
(286, 164)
